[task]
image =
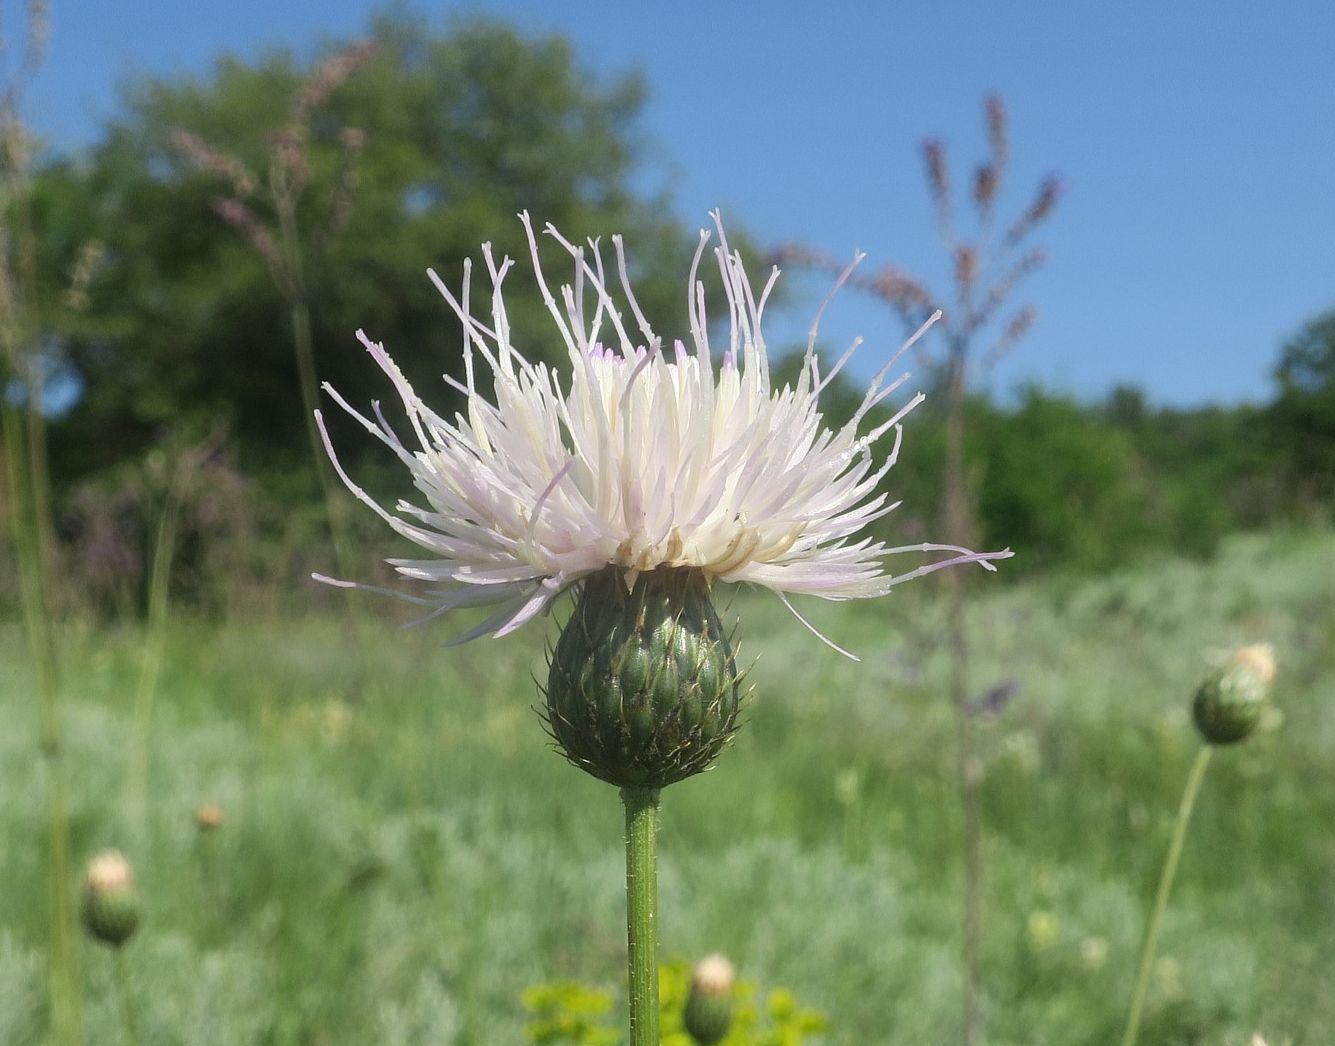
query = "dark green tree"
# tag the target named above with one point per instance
(1063, 487)
(1302, 417)
(460, 129)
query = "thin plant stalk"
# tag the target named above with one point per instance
(1189, 793)
(128, 1019)
(293, 285)
(958, 516)
(291, 280)
(303, 349)
(642, 912)
(66, 1003)
(28, 488)
(150, 668)
(283, 255)
(987, 269)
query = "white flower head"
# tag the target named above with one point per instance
(645, 456)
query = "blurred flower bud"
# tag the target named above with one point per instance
(110, 905)
(938, 178)
(1048, 195)
(1094, 952)
(708, 1013)
(1229, 703)
(966, 265)
(1044, 929)
(208, 818)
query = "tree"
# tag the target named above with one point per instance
(1302, 418)
(463, 129)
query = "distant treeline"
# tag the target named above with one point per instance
(166, 295)
(1089, 485)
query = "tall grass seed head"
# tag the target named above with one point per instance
(661, 470)
(110, 909)
(1229, 703)
(709, 1006)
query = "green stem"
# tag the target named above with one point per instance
(304, 350)
(127, 999)
(642, 912)
(1165, 885)
(150, 667)
(291, 281)
(959, 527)
(29, 492)
(34, 585)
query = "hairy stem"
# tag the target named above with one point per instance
(1166, 877)
(642, 912)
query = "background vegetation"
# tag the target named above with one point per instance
(399, 858)
(402, 856)
(179, 335)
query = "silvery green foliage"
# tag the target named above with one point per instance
(22, 992)
(434, 783)
(205, 996)
(428, 1015)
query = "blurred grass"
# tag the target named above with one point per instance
(402, 855)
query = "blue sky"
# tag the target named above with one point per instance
(1196, 141)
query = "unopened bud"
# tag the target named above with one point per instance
(1229, 703)
(208, 818)
(643, 685)
(110, 905)
(708, 1014)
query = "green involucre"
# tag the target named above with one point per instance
(1228, 705)
(642, 689)
(111, 916)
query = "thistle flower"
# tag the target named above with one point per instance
(644, 459)
(642, 478)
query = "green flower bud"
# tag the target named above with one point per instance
(1229, 703)
(708, 1013)
(110, 904)
(642, 688)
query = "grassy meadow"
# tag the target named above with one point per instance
(402, 854)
